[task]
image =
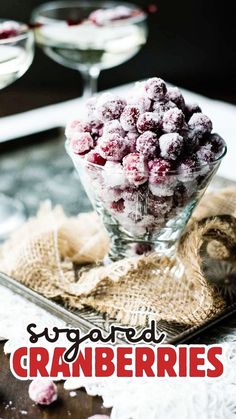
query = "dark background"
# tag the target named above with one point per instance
(191, 43)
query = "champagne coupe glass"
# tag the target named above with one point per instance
(16, 56)
(90, 36)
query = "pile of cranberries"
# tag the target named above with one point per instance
(150, 152)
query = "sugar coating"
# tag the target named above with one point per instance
(161, 107)
(113, 126)
(147, 144)
(114, 175)
(155, 88)
(146, 154)
(148, 121)
(109, 107)
(171, 145)
(199, 125)
(173, 120)
(129, 117)
(81, 142)
(140, 101)
(136, 169)
(42, 391)
(217, 143)
(112, 147)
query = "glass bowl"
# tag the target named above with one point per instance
(149, 217)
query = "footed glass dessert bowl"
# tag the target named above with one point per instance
(144, 161)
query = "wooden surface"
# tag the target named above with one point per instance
(15, 402)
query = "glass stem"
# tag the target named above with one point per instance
(90, 78)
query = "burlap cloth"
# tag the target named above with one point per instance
(57, 256)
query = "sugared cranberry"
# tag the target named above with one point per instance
(199, 125)
(143, 248)
(217, 143)
(143, 103)
(155, 88)
(95, 158)
(159, 206)
(42, 391)
(118, 206)
(112, 127)
(187, 166)
(159, 169)
(171, 145)
(174, 95)
(161, 107)
(190, 109)
(129, 117)
(76, 126)
(81, 142)
(110, 107)
(180, 197)
(161, 182)
(173, 120)
(112, 147)
(136, 169)
(147, 144)
(205, 154)
(149, 121)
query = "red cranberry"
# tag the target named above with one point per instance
(149, 121)
(112, 147)
(173, 120)
(217, 143)
(159, 169)
(174, 95)
(159, 206)
(143, 248)
(110, 107)
(205, 154)
(129, 117)
(147, 144)
(155, 88)
(118, 206)
(143, 103)
(112, 127)
(199, 125)
(171, 145)
(135, 168)
(95, 158)
(161, 107)
(81, 142)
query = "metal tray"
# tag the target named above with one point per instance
(87, 318)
